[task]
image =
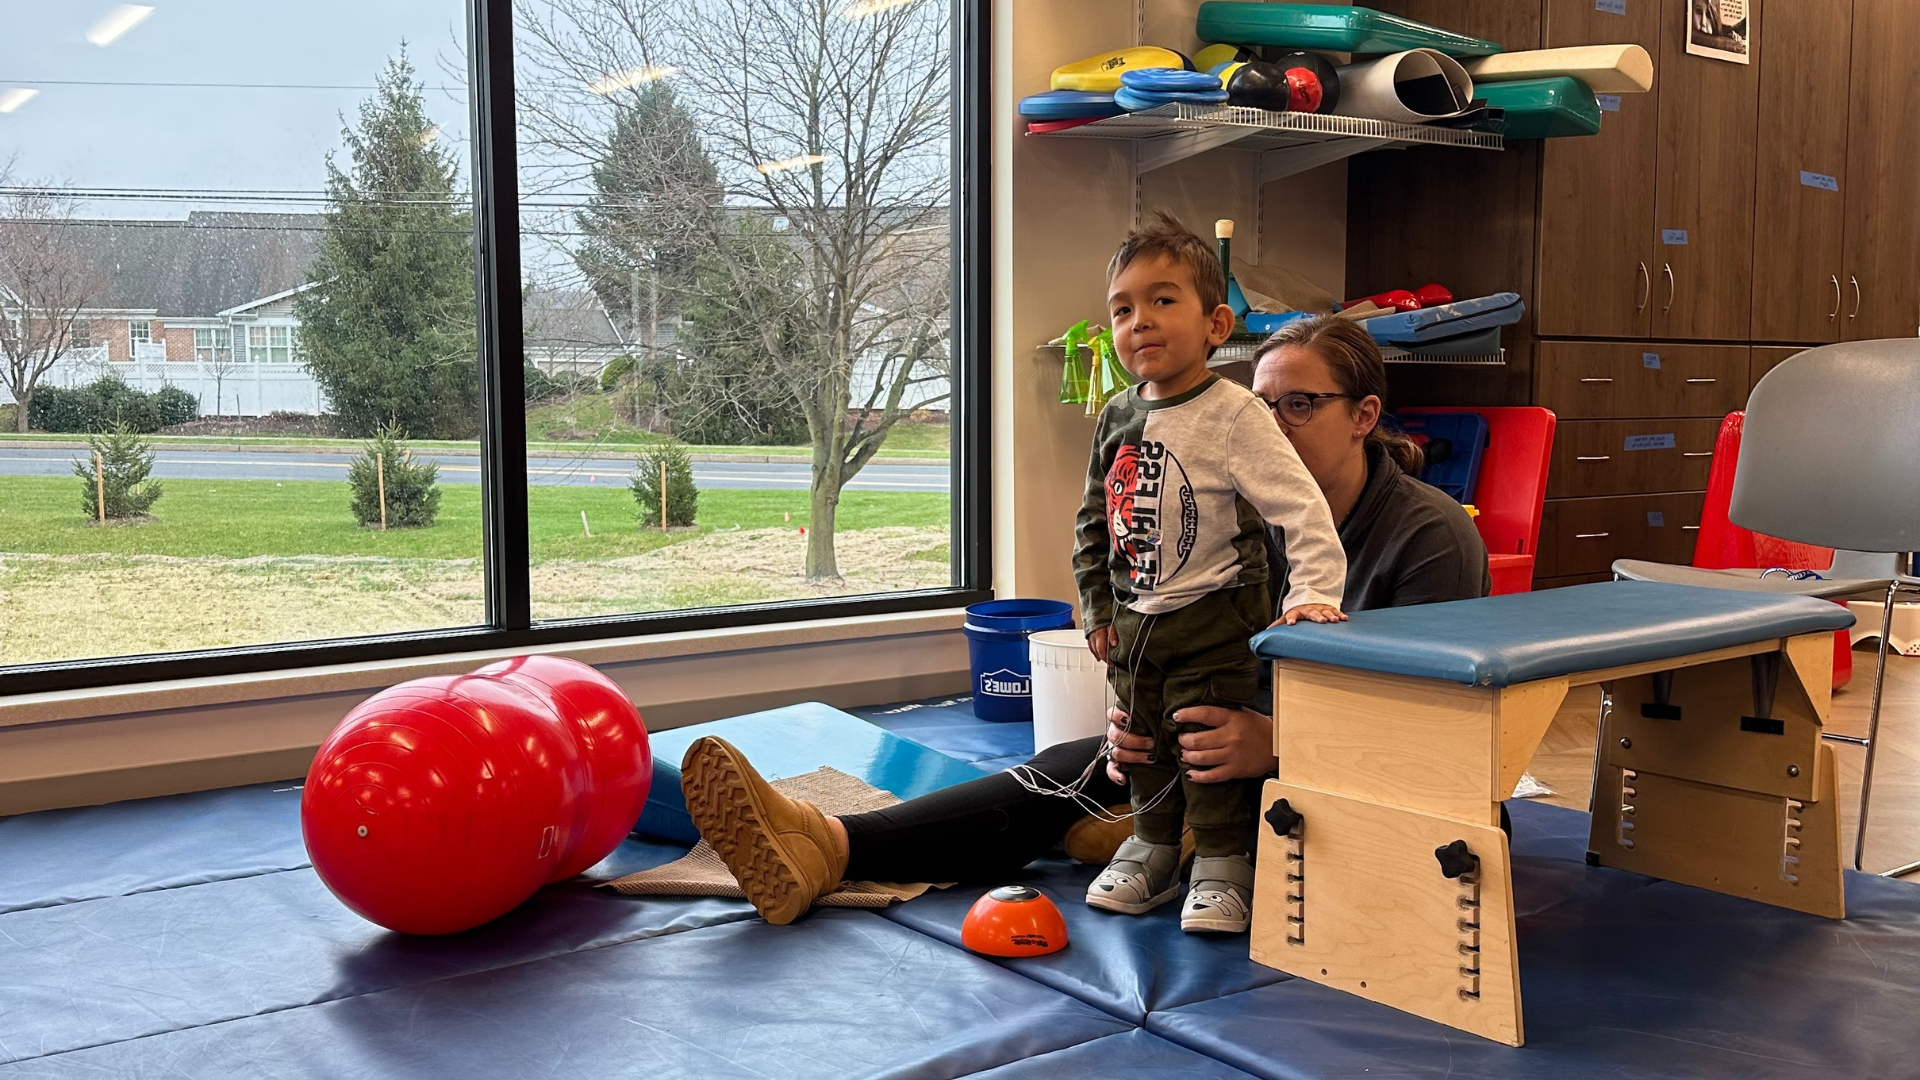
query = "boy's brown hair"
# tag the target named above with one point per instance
(1163, 235)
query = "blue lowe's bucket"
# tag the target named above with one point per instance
(997, 645)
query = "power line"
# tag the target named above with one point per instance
(209, 85)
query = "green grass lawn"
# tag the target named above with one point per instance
(906, 441)
(247, 518)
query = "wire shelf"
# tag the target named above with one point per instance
(1170, 133)
(1234, 352)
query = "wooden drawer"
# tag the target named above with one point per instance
(1630, 457)
(1585, 536)
(1768, 357)
(1590, 380)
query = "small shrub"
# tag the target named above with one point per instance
(125, 460)
(539, 385)
(412, 488)
(683, 498)
(175, 406)
(619, 368)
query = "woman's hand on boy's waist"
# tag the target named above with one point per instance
(1235, 744)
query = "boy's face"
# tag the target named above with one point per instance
(1159, 328)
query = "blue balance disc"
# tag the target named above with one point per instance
(1170, 80)
(1139, 100)
(1068, 105)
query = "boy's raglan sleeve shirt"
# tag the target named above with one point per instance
(1269, 474)
(1092, 542)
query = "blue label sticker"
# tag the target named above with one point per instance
(1611, 7)
(1611, 103)
(1650, 361)
(1819, 180)
(1673, 236)
(1650, 442)
(1656, 520)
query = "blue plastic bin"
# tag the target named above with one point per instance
(997, 646)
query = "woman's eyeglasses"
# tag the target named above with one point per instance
(1297, 409)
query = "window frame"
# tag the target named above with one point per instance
(210, 352)
(503, 457)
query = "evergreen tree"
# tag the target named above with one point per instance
(388, 327)
(125, 460)
(412, 488)
(683, 498)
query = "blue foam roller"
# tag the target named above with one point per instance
(1170, 81)
(1140, 100)
(1069, 105)
(790, 741)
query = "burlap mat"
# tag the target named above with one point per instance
(701, 873)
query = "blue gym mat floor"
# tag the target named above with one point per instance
(188, 937)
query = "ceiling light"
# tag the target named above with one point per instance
(630, 78)
(860, 9)
(114, 23)
(784, 164)
(15, 97)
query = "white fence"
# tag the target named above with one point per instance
(225, 389)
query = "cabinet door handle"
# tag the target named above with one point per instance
(1594, 457)
(1689, 528)
(1702, 380)
(1667, 268)
(1646, 291)
(1835, 313)
(1696, 453)
(1855, 313)
(1591, 536)
(1596, 380)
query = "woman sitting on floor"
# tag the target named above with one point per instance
(1406, 543)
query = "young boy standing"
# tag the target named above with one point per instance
(1187, 470)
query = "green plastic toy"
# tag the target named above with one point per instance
(1073, 377)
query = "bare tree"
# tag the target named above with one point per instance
(824, 236)
(223, 364)
(46, 280)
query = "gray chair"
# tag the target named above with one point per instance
(1830, 456)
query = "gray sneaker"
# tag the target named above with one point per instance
(1141, 877)
(1221, 898)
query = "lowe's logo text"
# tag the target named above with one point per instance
(1006, 684)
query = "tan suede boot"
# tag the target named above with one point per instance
(1093, 840)
(780, 850)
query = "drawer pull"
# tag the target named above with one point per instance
(1689, 528)
(1590, 536)
(1696, 453)
(1594, 457)
(1596, 380)
(1702, 380)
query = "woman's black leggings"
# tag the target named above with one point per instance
(982, 829)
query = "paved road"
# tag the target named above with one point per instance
(227, 464)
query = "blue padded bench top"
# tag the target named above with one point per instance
(1502, 640)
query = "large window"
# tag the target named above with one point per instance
(679, 349)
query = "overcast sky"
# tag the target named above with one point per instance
(272, 134)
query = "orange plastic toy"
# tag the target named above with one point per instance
(1014, 920)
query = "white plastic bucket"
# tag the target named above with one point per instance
(1069, 688)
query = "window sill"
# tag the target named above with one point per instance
(68, 705)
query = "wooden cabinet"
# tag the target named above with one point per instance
(1626, 457)
(1611, 380)
(1801, 184)
(1585, 536)
(1883, 172)
(1596, 199)
(1765, 359)
(1703, 187)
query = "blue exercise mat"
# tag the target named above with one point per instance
(1170, 81)
(1126, 965)
(146, 844)
(947, 724)
(840, 994)
(787, 742)
(1140, 100)
(1068, 105)
(1502, 640)
(1134, 1055)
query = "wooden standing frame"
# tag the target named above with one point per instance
(1711, 772)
